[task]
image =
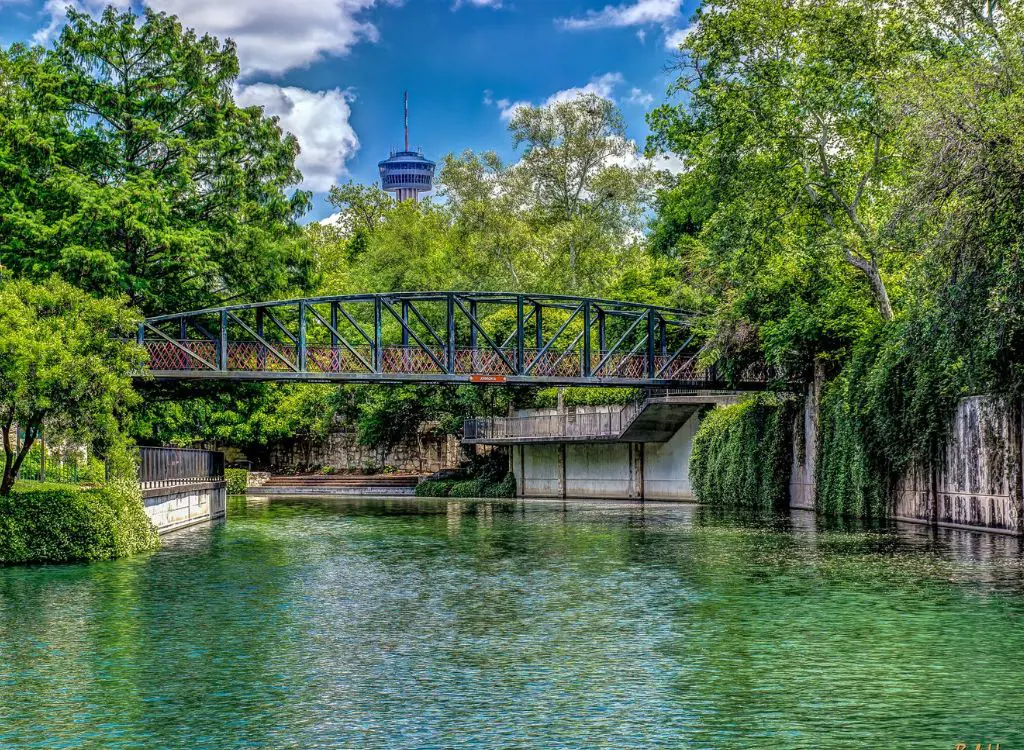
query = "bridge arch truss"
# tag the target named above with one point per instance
(433, 337)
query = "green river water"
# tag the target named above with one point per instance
(409, 623)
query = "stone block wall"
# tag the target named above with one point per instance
(423, 453)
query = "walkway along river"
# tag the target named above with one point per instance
(407, 623)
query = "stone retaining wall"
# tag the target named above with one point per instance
(424, 453)
(978, 483)
(173, 508)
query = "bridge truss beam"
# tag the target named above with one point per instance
(433, 337)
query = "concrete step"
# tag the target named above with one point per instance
(342, 480)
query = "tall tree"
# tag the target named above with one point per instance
(580, 187)
(126, 167)
(65, 362)
(787, 106)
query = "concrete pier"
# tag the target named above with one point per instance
(641, 451)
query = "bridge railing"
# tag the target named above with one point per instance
(570, 425)
(173, 467)
(428, 336)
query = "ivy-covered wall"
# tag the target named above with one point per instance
(742, 453)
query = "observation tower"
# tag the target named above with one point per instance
(407, 173)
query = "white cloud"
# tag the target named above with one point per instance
(56, 10)
(638, 13)
(641, 34)
(320, 122)
(633, 159)
(641, 97)
(334, 220)
(507, 109)
(603, 86)
(668, 162)
(676, 39)
(273, 36)
(477, 3)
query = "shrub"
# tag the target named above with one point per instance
(49, 523)
(434, 488)
(505, 488)
(466, 488)
(238, 481)
(588, 396)
(479, 487)
(742, 453)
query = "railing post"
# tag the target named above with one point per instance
(520, 336)
(472, 335)
(222, 358)
(261, 356)
(405, 322)
(586, 338)
(602, 343)
(650, 343)
(539, 342)
(301, 357)
(334, 325)
(378, 336)
(451, 334)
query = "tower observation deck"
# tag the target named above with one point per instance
(407, 173)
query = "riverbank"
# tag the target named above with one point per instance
(57, 523)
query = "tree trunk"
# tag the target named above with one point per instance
(881, 293)
(12, 467)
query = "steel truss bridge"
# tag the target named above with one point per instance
(488, 337)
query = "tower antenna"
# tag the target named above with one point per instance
(406, 120)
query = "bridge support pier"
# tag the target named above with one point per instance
(636, 471)
(561, 470)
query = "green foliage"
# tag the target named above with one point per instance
(573, 396)
(889, 409)
(54, 523)
(484, 487)
(128, 168)
(505, 488)
(238, 481)
(742, 453)
(434, 487)
(465, 488)
(66, 361)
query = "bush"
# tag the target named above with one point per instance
(434, 487)
(480, 487)
(585, 396)
(742, 453)
(50, 523)
(238, 481)
(505, 488)
(466, 488)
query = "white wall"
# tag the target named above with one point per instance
(667, 465)
(175, 508)
(596, 470)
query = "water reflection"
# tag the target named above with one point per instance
(406, 622)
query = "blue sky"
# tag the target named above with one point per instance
(334, 70)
